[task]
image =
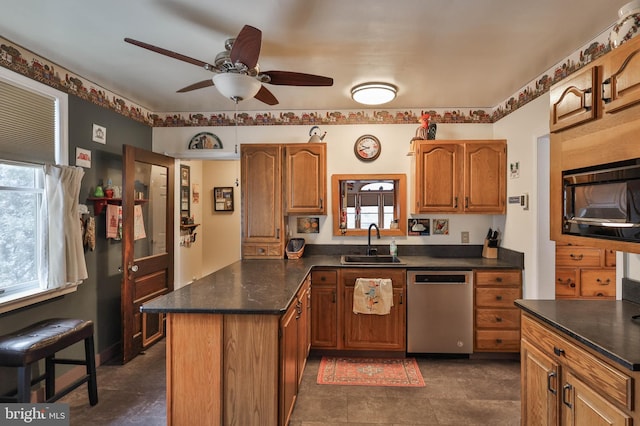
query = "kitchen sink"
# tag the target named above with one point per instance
(354, 259)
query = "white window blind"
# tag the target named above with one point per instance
(27, 125)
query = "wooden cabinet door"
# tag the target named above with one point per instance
(485, 174)
(375, 332)
(438, 179)
(581, 405)
(576, 100)
(540, 381)
(302, 308)
(305, 178)
(324, 316)
(288, 363)
(262, 218)
(621, 86)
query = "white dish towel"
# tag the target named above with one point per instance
(373, 296)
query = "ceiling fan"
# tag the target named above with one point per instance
(237, 74)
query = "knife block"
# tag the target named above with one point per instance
(489, 252)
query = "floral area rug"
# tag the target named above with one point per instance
(370, 372)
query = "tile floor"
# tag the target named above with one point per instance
(457, 392)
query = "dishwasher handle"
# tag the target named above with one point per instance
(452, 278)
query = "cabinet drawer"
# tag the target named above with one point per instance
(498, 340)
(598, 282)
(258, 250)
(615, 384)
(497, 297)
(493, 278)
(324, 277)
(566, 282)
(578, 257)
(498, 318)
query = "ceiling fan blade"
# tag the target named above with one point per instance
(246, 47)
(169, 53)
(199, 85)
(264, 95)
(288, 78)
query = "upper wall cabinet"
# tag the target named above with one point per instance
(305, 178)
(460, 176)
(621, 87)
(576, 100)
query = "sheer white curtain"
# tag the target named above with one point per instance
(63, 254)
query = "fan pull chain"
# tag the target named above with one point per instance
(236, 146)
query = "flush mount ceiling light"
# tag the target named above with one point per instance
(374, 93)
(236, 86)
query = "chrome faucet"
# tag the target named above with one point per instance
(372, 251)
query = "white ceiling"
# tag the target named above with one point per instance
(440, 53)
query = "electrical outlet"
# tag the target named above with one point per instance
(464, 237)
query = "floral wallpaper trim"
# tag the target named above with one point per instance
(30, 65)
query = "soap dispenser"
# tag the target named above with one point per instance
(393, 248)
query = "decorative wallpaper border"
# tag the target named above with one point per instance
(37, 68)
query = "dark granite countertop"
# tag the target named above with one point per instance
(605, 326)
(269, 286)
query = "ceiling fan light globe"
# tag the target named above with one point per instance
(236, 86)
(374, 93)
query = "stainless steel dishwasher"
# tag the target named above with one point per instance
(440, 312)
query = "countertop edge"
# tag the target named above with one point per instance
(633, 366)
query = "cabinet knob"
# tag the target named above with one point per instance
(499, 341)
(498, 297)
(498, 319)
(558, 351)
(603, 282)
(498, 279)
(576, 257)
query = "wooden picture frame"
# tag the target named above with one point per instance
(185, 191)
(223, 199)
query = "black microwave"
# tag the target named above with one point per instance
(603, 201)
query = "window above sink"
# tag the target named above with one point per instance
(362, 199)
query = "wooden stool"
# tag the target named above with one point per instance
(42, 340)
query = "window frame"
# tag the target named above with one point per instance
(22, 299)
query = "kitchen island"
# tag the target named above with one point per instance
(580, 361)
(225, 332)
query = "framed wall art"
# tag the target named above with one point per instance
(223, 199)
(185, 180)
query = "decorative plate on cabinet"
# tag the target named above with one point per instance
(205, 140)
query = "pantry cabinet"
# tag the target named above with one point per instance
(565, 384)
(262, 216)
(496, 318)
(460, 176)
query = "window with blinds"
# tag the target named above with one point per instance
(27, 124)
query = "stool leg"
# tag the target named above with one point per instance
(24, 384)
(50, 377)
(90, 358)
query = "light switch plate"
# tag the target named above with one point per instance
(464, 237)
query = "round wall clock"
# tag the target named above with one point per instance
(367, 148)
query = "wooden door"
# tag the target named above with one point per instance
(262, 219)
(306, 178)
(485, 177)
(324, 320)
(147, 244)
(438, 174)
(582, 405)
(540, 381)
(621, 88)
(303, 327)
